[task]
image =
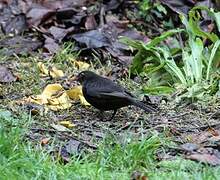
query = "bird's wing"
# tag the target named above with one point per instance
(106, 93)
(107, 88)
(102, 85)
(114, 94)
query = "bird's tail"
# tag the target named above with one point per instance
(146, 107)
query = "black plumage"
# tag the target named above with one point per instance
(105, 94)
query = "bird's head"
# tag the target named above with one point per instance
(85, 75)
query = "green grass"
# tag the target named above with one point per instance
(114, 159)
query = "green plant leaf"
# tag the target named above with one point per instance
(138, 62)
(193, 29)
(171, 66)
(151, 68)
(211, 13)
(217, 19)
(188, 67)
(132, 43)
(196, 58)
(162, 37)
(213, 52)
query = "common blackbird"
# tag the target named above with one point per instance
(105, 95)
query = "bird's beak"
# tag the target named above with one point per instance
(74, 78)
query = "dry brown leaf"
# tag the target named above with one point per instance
(44, 141)
(6, 75)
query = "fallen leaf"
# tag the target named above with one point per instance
(76, 94)
(43, 68)
(37, 14)
(67, 124)
(178, 6)
(19, 45)
(137, 175)
(53, 72)
(213, 132)
(62, 102)
(54, 97)
(92, 39)
(80, 65)
(44, 141)
(189, 147)
(52, 89)
(50, 45)
(83, 101)
(205, 158)
(56, 73)
(38, 99)
(205, 137)
(72, 146)
(59, 127)
(6, 75)
(59, 33)
(12, 22)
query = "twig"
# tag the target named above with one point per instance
(102, 13)
(82, 141)
(67, 135)
(206, 126)
(180, 115)
(123, 127)
(42, 129)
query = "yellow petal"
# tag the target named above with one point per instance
(81, 65)
(42, 68)
(56, 73)
(67, 124)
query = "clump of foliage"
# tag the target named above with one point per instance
(190, 66)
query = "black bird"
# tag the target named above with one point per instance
(105, 95)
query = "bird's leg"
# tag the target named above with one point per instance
(113, 115)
